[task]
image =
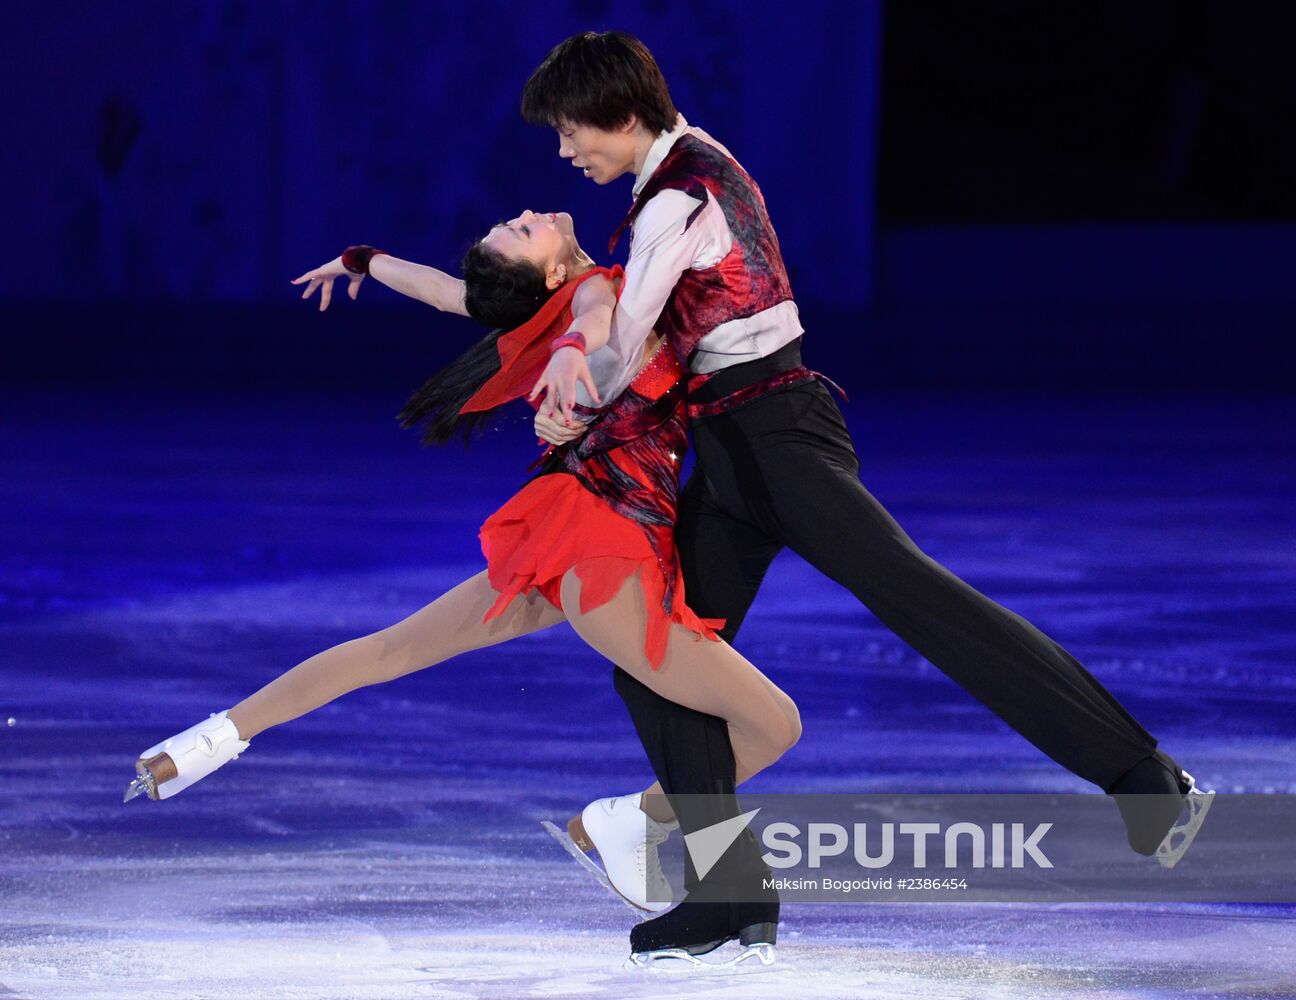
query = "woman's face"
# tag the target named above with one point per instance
(546, 239)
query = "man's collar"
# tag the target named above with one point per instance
(657, 152)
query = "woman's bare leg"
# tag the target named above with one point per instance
(701, 674)
(450, 625)
(654, 801)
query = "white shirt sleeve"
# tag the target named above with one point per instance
(660, 251)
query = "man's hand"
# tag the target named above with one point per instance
(556, 433)
(323, 277)
(558, 383)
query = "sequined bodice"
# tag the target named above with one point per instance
(661, 371)
(631, 455)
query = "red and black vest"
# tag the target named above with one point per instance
(749, 279)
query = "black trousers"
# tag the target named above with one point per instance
(782, 471)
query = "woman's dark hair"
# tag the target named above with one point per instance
(599, 80)
(500, 293)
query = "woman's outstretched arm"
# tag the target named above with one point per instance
(418, 281)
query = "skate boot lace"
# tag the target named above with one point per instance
(649, 861)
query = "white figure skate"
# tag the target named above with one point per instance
(174, 764)
(1181, 835)
(626, 839)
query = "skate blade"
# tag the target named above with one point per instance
(753, 959)
(142, 785)
(584, 861)
(1168, 853)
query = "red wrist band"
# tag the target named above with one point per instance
(356, 259)
(573, 339)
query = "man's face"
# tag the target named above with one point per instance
(601, 156)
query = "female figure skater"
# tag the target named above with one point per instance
(616, 579)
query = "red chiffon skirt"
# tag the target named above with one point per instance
(554, 524)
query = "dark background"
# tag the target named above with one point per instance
(996, 195)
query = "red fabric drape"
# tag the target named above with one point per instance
(524, 352)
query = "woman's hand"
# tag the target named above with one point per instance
(323, 278)
(556, 433)
(558, 383)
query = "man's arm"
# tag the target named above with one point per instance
(660, 253)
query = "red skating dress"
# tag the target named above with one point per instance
(605, 504)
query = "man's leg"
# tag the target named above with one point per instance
(1028, 680)
(826, 515)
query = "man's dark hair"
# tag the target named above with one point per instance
(599, 80)
(498, 292)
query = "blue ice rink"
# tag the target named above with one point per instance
(163, 555)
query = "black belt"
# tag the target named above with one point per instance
(720, 391)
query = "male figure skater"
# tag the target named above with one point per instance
(776, 467)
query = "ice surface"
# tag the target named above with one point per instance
(159, 563)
